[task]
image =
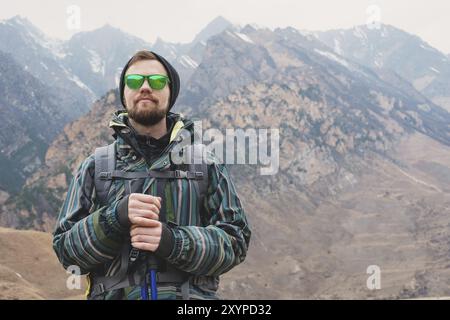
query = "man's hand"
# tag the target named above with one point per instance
(143, 208)
(143, 213)
(146, 238)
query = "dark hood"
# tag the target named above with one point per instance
(174, 84)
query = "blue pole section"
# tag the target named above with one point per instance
(144, 289)
(153, 284)
(153, 267)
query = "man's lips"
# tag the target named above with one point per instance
(148, 100)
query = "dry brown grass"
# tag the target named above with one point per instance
(29, 268)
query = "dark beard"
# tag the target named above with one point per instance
(146, 117)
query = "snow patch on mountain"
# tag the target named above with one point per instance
(244, 37)
(44, 65)
(359, 33)
(435, 70)
(96, 62)
(337, 47)
(188, 62)
(257, 26)
(333, 57)
(239, 36)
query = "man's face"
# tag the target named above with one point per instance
(145, 105)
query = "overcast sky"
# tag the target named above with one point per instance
(180, 21)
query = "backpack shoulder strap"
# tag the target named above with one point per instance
(105, 161)
(198, 164)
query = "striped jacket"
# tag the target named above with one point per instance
(210, 237)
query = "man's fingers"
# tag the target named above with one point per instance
(153, 231)
(145, 238)
(143, 205)
(145, 214)
(147, 199)
(145, 246)
(144, 222)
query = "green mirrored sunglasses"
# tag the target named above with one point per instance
(155, 81)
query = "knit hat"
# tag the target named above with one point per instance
(174, 78)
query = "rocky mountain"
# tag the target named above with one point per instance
(97, 57)
(287, 57)
(216, 26)
(388, 47)
(39, 95)
(90, 62)
(187, 56)
(216, 68)
(41, 56)
(32, 117)
(339, 204)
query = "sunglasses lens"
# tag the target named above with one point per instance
(134, 81)
(158, 82)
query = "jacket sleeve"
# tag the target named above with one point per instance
(223, 243)
(84, 237)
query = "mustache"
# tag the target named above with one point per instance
(150, 97)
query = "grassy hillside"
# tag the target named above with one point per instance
(29, 268)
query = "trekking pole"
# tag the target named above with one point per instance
(152, 269)
(144, 289)
(152, 265)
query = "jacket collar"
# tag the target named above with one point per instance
(119, 124)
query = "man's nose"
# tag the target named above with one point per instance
(145, 86)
